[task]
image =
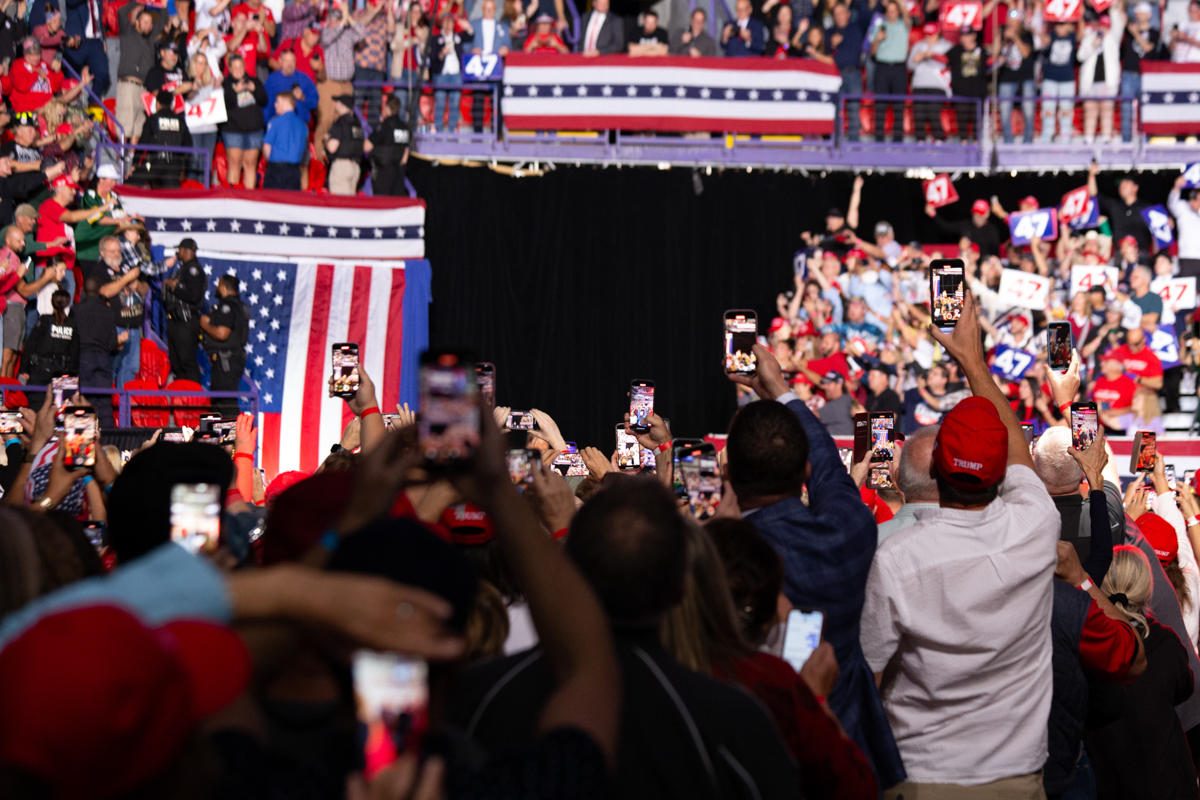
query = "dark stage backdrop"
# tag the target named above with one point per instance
(577, 282)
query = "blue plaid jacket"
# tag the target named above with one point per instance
(827, 547)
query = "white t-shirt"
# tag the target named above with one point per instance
(962, 601)
(1187, 53)
(489, 35)
(205, 19)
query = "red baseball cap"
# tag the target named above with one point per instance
(776, 324)
(857, 253)
(63, 180)
(971, 449)
(980, 206)
(95, 703)
(1161, 536)
(929, 27)
(1127, 240)
(282, 482)
(64, 129)
(1029, 200)
(468, 524)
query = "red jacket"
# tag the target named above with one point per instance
(33, 87)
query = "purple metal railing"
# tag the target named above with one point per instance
(125, 406)
(121, 147)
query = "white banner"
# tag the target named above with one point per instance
(1084, 278)
(1177, 293)
(1023, 289)
(210, 111)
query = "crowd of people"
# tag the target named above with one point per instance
(1003, 623)
(852, 334)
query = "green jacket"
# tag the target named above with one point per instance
(88, 233)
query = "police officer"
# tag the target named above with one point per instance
(388, 149)
(345, 147)
(226, 331)
(182, 296)
(161, 170)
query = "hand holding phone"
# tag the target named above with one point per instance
(628, 450)
(947, 291)
(1058, 345)
(81, 434)
(1085, 425)
(1145, 447)
(802, 636)
(344, 380)
(741, 334)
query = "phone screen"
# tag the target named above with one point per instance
(520, 465)
(81, 430)
(1027, 432)
(226, 429)
(1085, 424)
(10, 422)
(883, 448)
(174, 436)
(1169, 474)
(802, 636)
(741, 334)
(1147, 446)
(345, 369)
(629, 452)
(880, 477)
(196, 516)
(571, 465)
(448, 426)
(97, 534)
(485, 375)
(1058, 345)
(1189, 478)
(946, 291)
(391, 421)
(62, 389)
(847, 455)
(391, 695)
(649, 463)
(521, 421)
(641, 405)
(701, 480)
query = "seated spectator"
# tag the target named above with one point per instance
(603, 32)
(745, 36)
(993, 508)
(543, 39)
(694, 40)
(1148, 724)
(245, 98)
(288, 78)
(726, 742)
(284, 144)
(651, 39)
(775, 451)
(21, 151)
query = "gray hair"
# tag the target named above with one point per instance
(914, 478)
(1054, 465)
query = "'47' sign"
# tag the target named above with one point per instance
(1159, 222)
(1042, 223)
(1023, 289)
(1011, 363)
(957, 13)
(1063, 11)
(483, 67)
(940, 191)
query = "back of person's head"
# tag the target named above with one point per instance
(766, 452)
(60, 301)
(1129, 584)
(300, 511)
(1053, 462)
(703, 628)
(139, 504)
(229, 283)
(754, 573)
(18, 563)
(166, 102)
(970, 453)
(65, 554)
(629, 541)
(91, 287)
(1162, 538)
(487, 624)
(914, 476)
(392, 104)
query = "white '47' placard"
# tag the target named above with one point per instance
(1023, 289)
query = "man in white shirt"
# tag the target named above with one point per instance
(491, 37)
(957, 611)
(914, 480)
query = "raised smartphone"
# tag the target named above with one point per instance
(629, 452)
(741, 334)
(448, 420)
(345, 369)
(1145, 446)
(1085, 424)
(947, 290)
(391, 696)
(641, 405)
(1058, 345)
(81, 432)
(196, 516)
(802, 636)
(485, 375)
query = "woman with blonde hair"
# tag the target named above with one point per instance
(1145, 753)
(204, 135)
(703, 634)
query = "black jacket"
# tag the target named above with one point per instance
(248, 116)
(51, 349)
(97, 324)
(389, 141)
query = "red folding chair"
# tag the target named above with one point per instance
(155, 365)
(142, 417)
(189, 418)
(14, 399)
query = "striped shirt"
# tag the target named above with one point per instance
(371, 52)
(339, 42)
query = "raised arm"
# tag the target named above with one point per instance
(966, 347)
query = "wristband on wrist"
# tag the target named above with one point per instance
(368, 412)
(560, 533)
(1065, 408)
(243, 455)
(1087, 584)
(665, 446)
(86, 479)
(1193, 520)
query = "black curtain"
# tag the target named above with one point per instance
(577, 282)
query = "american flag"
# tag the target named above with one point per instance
(299, 309)
(1170, 98)
(750, 95)
(280, 223)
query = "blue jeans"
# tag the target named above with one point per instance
(407, 78)
(127, 362)
(1131, 84)
(206, 141)
(1028, 90)
(439, 101)
(1085, 780)
(851, 84)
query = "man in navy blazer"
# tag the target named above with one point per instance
(775, 448)
(85, 41)
(745, 36)
(491, 36)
